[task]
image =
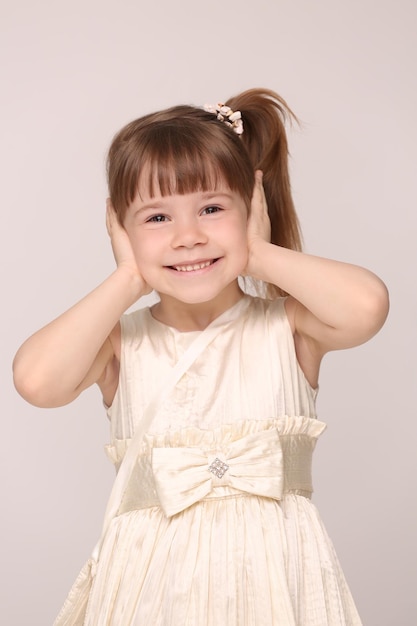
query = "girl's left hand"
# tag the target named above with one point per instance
(259, 225)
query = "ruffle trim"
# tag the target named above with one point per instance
(221, 436)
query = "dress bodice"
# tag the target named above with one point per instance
(249, 372)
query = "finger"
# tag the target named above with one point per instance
(258, 183)
(258, 196)
(111, 217)
(259, 176)
(108, 220)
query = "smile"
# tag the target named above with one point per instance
(193, 267)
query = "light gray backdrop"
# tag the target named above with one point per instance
(72, 74)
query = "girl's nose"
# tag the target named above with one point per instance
(188, 234)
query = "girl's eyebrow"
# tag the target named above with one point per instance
(150, 205)
(216, 194)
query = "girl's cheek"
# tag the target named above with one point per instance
(143, 266)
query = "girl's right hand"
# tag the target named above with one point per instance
(121, 246)
(82, 346)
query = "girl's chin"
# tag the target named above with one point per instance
(201, 296)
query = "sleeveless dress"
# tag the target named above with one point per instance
(217, 526)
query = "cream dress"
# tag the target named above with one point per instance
(217, 527)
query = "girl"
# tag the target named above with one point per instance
(215, 524)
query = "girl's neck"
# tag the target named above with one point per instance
(187, 317)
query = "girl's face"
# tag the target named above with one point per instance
(190, 247)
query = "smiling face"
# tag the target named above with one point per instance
(181, 183)
(190, 247)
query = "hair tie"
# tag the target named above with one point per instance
(226, 115)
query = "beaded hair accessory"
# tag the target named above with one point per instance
(226, 115)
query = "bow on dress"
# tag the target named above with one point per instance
(253, 464)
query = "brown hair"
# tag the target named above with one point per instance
(184, 149)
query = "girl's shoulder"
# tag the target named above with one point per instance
(134, 321)
(272, 311)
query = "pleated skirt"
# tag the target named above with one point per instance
(241, 561)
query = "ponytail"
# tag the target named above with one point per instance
(265, 115)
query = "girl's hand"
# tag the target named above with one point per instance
(259, 225)
(121, 246)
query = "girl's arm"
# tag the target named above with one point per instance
(332, 305)
(82, 345)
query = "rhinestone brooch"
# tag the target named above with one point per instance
(218, 468)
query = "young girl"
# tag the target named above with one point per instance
(215, 525)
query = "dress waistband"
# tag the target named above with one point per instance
(264, 463)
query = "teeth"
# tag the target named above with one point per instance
(191, 268)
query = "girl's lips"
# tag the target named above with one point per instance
(193, 267)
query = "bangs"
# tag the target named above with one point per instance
(177, 162)
(180, 169)
(178, 157)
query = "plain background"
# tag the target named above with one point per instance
(72, 74)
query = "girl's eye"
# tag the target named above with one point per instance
(211, 209)
(157, 218)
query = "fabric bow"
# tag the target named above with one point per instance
(254, 465)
